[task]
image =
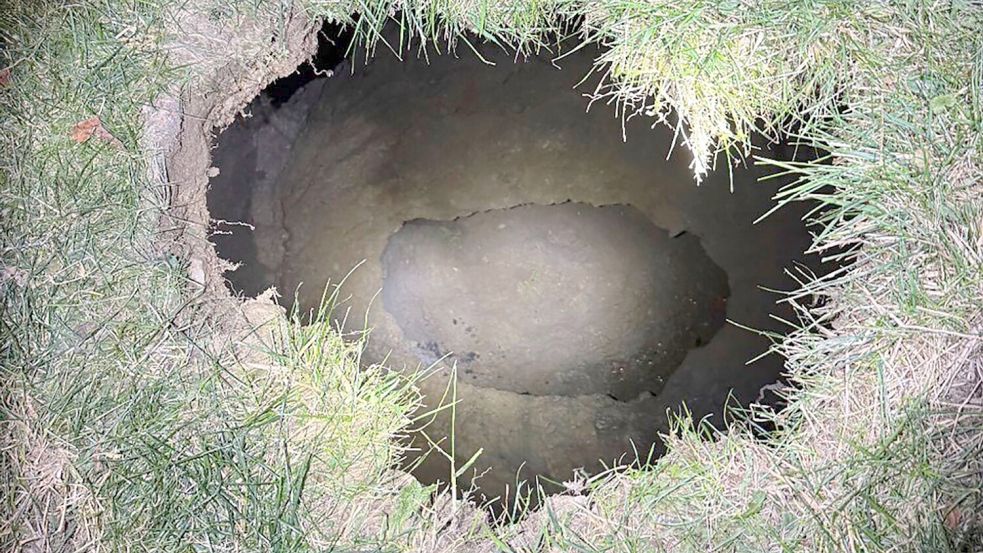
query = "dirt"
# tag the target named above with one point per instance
(233, 60)
(567, 299)
(257, 146)
(382, 150)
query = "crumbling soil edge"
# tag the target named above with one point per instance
(179, 134)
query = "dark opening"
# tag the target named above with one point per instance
(576, 284)
(333, 43)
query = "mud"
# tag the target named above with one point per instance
(407, 171)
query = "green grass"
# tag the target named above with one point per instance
(109, 356)
(132, 423)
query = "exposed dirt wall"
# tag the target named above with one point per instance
(182, 125)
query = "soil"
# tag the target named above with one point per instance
(568, 299)
(610, 256)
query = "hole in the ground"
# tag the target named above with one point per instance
(577, 283)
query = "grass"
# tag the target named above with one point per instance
(131, 422)
(125, 425)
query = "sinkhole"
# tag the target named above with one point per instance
(560, 300)
(555, 270)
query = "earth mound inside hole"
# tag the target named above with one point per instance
(407, 168)
(566, 299)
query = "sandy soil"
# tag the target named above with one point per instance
(402, 141)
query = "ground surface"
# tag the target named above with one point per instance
(400, 141)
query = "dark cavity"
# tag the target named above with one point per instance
(566, 287)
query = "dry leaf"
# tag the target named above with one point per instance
(84, 130)
(953, 518)
(13, 274)
(5, 77)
